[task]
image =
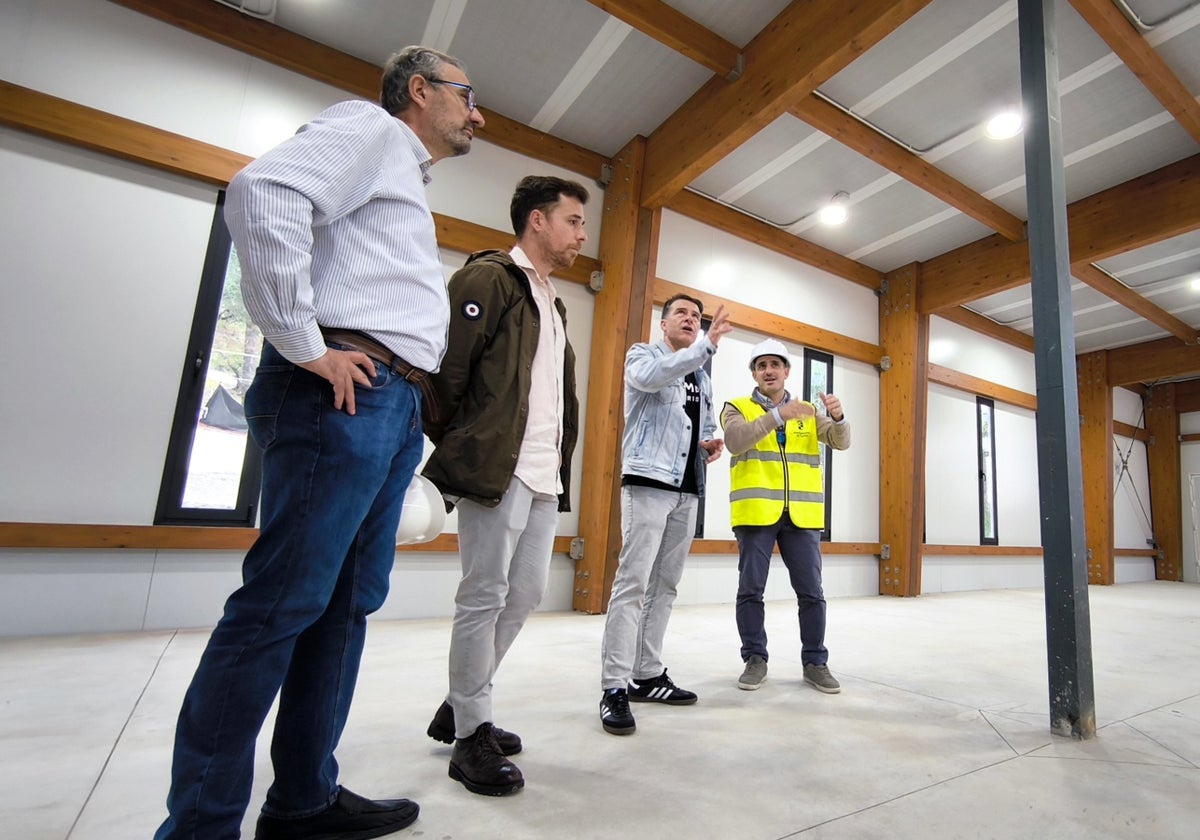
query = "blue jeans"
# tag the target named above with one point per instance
(333, 487)
(800, 549)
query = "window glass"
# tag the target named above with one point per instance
(818, 379)
(212, 472)
(985, 413)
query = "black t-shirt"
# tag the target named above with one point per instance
(691, 405)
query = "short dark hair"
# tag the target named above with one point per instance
(667, 306)
(425, 62)
(539, 192)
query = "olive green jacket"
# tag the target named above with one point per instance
(483, 383)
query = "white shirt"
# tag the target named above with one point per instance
(332, 227)
(540, 459)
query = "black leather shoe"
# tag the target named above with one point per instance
(478, 763)
(441, 728)
(351, 817)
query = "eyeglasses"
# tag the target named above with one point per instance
(470, 91)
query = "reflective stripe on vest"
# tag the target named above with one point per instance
(759, 485)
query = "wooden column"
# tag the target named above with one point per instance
(626, 258)
(1096, 447)
(1166, 500)
(903, 396)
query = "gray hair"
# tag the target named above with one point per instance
(410, 61)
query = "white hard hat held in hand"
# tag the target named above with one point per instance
(423, 514)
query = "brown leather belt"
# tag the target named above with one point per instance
(355, 340)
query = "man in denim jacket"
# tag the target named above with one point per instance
(668, 439)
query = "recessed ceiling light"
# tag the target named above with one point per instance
(1003, 125)
(834, 213)
(1196, 284)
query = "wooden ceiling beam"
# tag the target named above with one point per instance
(738, 224)
(981, 324)
(859, 136)
(301, 55)
(804, 46)
(1148, 209)
(1114, 289)
(1151, 361)
(1137, 54)
(78, 125)
(1187, 396)
(679, 32)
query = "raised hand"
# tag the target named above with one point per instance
(832, 405)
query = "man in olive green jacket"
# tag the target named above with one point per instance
(503, 456)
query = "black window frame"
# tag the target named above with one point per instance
(987, 481)
(813, 357)
(170, 509)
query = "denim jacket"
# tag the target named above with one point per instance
(657, 429)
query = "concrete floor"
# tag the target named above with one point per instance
(941, 730)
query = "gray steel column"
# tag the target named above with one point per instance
(1060, 471)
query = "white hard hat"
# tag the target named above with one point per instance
(769, 347)
(423, 514)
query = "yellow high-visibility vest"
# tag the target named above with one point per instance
(759, 485)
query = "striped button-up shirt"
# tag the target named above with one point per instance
(332, 228)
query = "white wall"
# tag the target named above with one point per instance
(1189, 457)
(951, 460)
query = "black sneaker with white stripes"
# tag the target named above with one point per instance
(660, 689)
(615, 716)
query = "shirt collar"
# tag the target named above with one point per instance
(765, 402)
(522, 259)
(423, 158)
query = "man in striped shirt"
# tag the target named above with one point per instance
(341, 271)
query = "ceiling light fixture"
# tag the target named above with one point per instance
(1196, 283)
(834, 213)
(1004, 125)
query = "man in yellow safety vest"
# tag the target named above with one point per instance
(776, 495)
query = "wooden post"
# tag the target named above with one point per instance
(1096, 447)
(1166, 499)
(625, 268)
(903, 396)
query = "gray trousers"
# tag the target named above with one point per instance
(505, 554)
(657, 527)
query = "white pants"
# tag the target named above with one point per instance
(657, 527)
(505, 554)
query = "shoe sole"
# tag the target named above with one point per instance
(446, 736)
(618, 730)
(751, 686)
(822, 688)
(368, 833)
(485, 790)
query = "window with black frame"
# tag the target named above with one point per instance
(985, 414)
(818, 379)
(213, 470)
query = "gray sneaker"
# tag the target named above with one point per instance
(818, 677)
(755, 674)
